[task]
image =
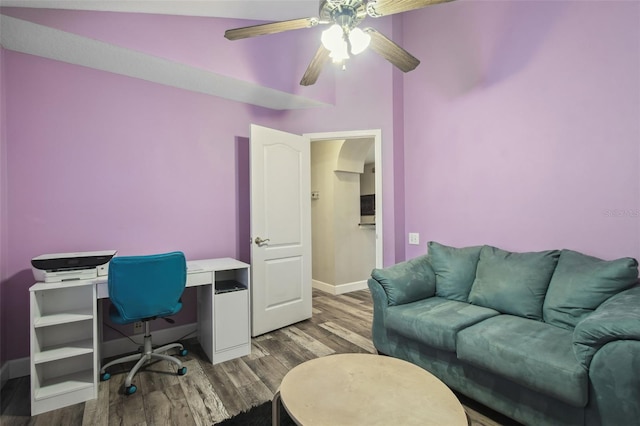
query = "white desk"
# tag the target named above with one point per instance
(66, 329)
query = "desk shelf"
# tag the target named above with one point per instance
(63, 318)
(65, 350)
(63, 385)
(227, 286)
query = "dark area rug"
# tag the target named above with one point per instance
(260, 415)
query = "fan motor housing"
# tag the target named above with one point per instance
(346, 13)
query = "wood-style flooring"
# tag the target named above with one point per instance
(211, 393)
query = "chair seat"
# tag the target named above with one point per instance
(115, 316)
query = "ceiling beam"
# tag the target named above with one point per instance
(34, 39)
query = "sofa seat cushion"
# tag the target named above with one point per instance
(531, 353)
(435, 321)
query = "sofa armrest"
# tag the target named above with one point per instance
(407, 281)
(618, 318)
(380, 304)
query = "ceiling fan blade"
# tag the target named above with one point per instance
(393, 53)
(271, 28)
(377, 8)
(317, 63)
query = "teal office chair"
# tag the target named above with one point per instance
(143, 288)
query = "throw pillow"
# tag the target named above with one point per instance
(455, 269)
(408, 281)
(581, 283)
(513, 283)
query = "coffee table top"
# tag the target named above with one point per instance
(367, 389)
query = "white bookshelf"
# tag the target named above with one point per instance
(64, 356)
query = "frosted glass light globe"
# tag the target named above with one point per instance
(359, 40)
(332, 37)
(340, 53)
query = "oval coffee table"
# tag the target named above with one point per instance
(366, 389)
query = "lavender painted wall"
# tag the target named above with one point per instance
(97, 160)
(522, 126)
(3, 201)
(101, 161)
(398, 146)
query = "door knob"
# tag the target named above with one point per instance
(259, 241)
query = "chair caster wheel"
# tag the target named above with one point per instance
(182, 371)
(184, 352)
(105, 377)
(130, 390)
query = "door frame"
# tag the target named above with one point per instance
(376, 134)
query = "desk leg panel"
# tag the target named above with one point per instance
(205, 319)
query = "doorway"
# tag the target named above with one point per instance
(351, 243)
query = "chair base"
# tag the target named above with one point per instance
(144, 357)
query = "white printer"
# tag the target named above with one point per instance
(57, 267)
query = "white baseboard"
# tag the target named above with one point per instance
(340, 288)
(14, 368)
(122, 346)
(4, 374)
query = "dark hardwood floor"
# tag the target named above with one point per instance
(211, 393)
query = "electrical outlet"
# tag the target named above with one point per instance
(137, 327)
(414, 238)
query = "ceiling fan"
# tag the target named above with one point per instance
(344, 37)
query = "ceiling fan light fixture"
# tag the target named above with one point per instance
(359, 40)
(344, 39)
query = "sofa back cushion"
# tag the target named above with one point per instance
(455, 269)
(406, 282)
(513, 283)
(581, 283)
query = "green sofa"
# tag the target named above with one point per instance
(545, 338)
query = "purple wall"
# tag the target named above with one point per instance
(3, 202)
(98, 160)
(398, 147)
(522, 126)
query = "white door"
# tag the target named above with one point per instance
(280, 229)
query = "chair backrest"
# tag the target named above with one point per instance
(147, 286)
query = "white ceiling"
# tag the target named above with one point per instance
(27, 37)
(267, 10)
